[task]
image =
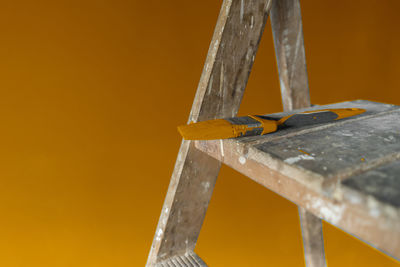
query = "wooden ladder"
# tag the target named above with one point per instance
(229, 61)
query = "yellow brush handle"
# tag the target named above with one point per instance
(322, 115)
(223, 129)
(258, 125)
(268, 126)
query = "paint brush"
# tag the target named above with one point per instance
(260, 124)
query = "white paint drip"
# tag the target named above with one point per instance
(389, 139)
(373, 207)
(216, 44)
(222, 147)
(242, 160)
(210, 85)
(297, 48)
(251, 22)
(221, 80)
(215, 48)
(330, 212)
(221, 86)
(206, 186)
(241, 10)
(298, 158)
(159, 234)
(285, 92)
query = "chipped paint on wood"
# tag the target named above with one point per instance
(298, 158)
(289, 50)
(242, 160)
(313, 242)
(332, 212)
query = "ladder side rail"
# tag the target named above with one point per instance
(288, 37)
(230, 57)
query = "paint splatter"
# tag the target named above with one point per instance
(302, 151)
(298, 158)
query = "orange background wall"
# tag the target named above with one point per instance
(91, 92)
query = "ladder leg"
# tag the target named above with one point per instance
(225, 74)
(287, 31)
(313, 242)
(185, 205)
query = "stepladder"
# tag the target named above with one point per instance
(231, 54)
(229, 61)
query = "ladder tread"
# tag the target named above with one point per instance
(345, 172)
(189, 259)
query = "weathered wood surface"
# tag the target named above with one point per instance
(230, 58)
(287, 32)
(383, 182)
(296, 170)
(372, 109)
(340, 152)
(189, 259)
(313, 239)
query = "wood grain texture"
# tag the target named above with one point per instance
(326, 196)
(230, 58)
(313, 241)
(189, 259)
(287, 30)
(383, 182)
(231, 55)
(337, 153)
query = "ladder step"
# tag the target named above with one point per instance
(190, 259)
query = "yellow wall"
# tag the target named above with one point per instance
(82, 183)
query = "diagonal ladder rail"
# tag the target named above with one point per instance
(287, 30)
(230, 57)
